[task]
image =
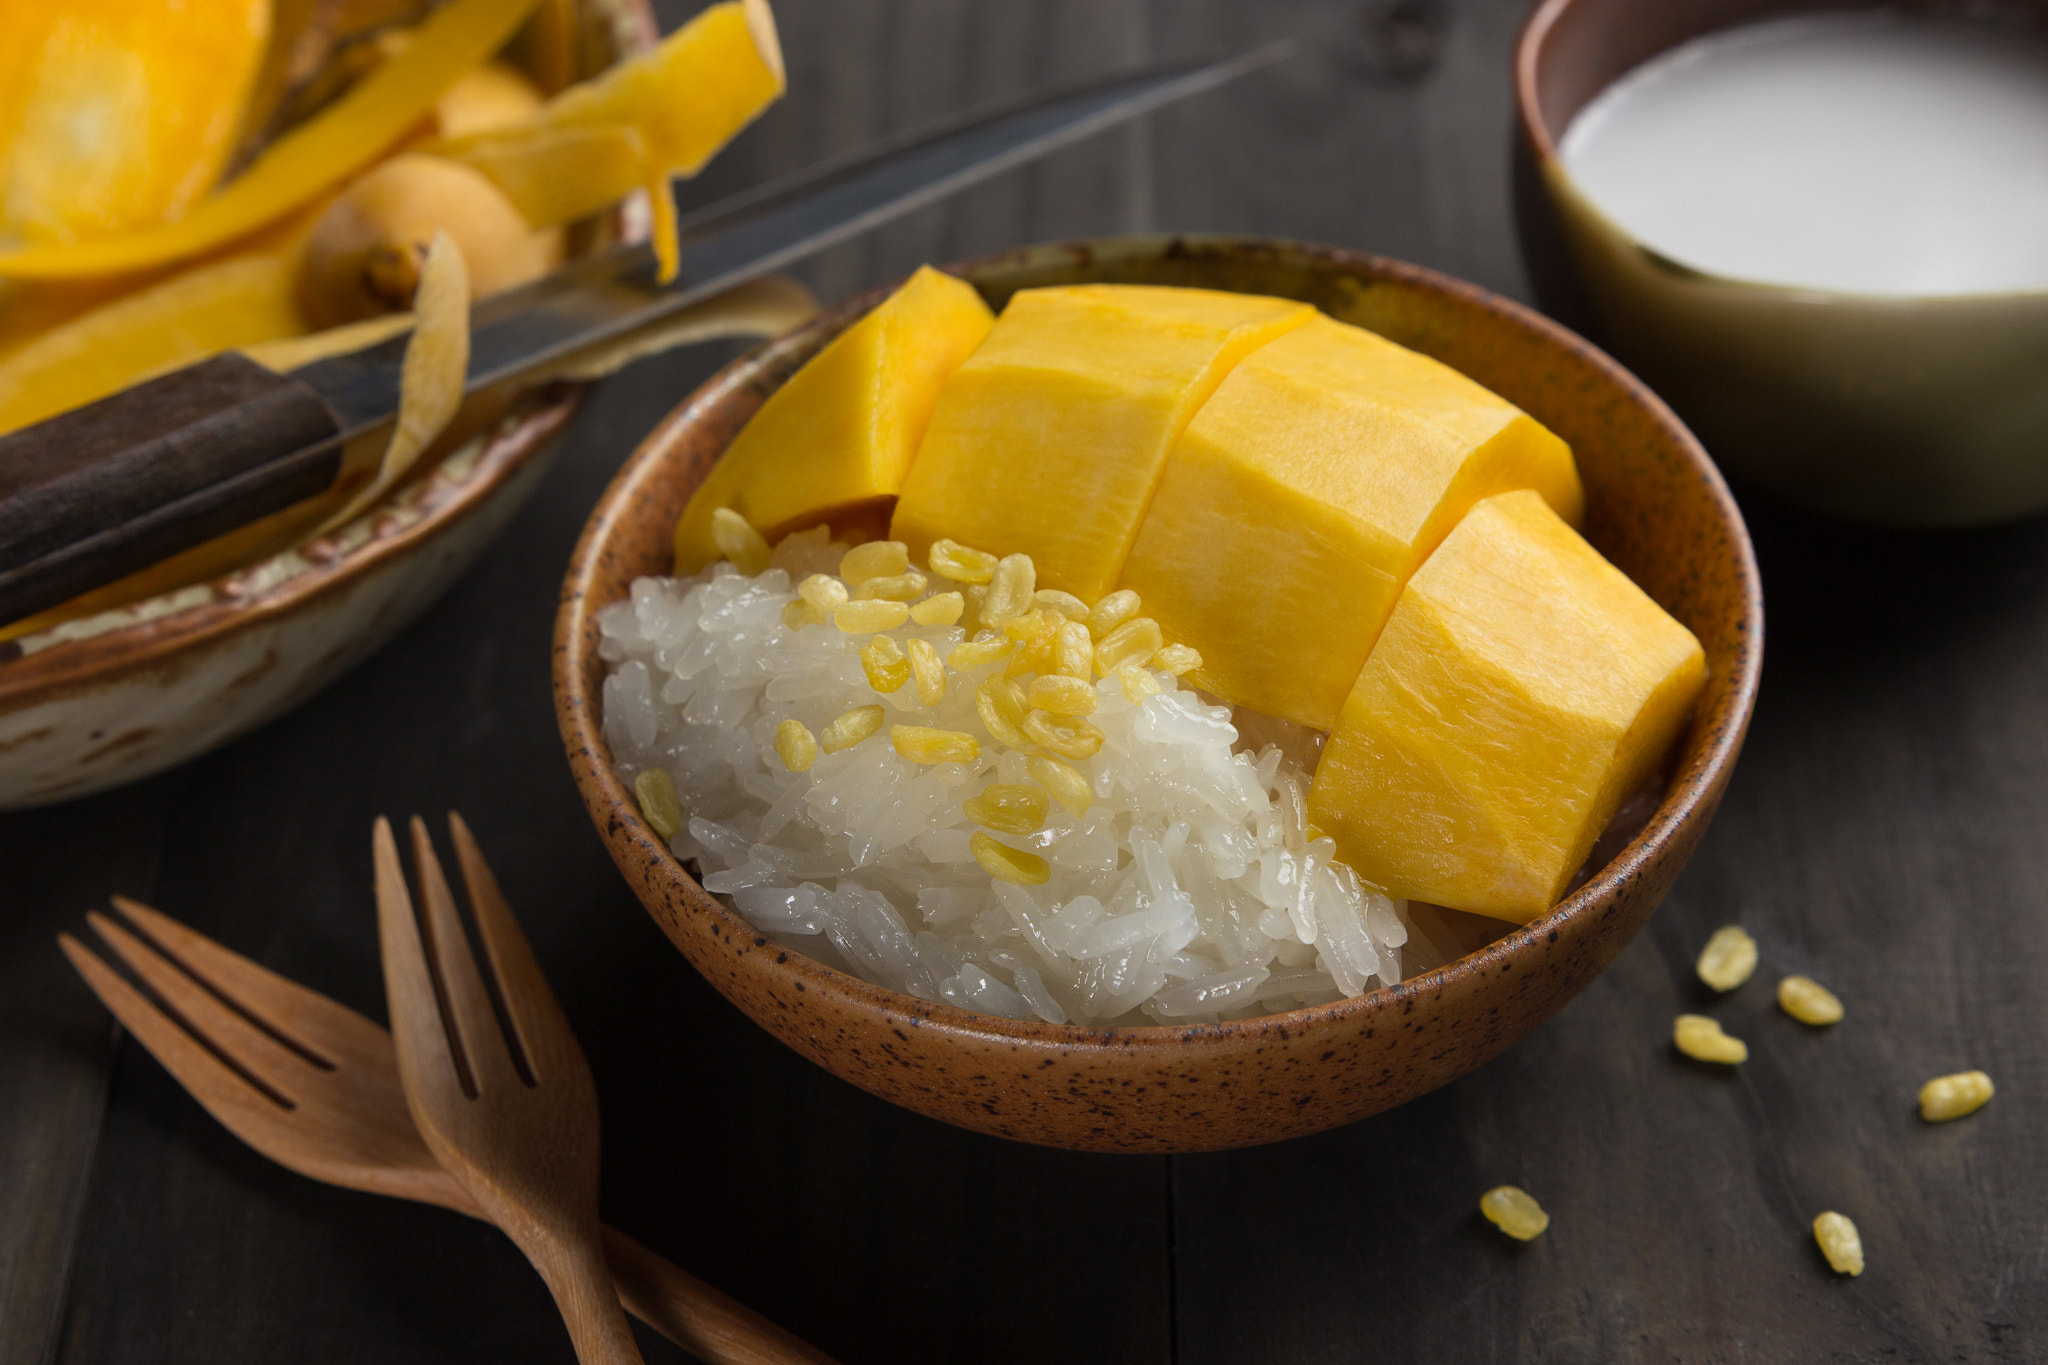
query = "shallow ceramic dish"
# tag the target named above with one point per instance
(1655, 505)
(112, 698)
(1904, 411)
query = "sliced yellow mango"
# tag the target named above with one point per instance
(1522, 688)
(1302, 496)
(345, 136)
(117, 115)
(839, 436)
(209, 308)
(1049, 441)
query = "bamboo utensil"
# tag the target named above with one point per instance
(314, 1086)
(510, 1111)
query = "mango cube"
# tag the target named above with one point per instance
(1522, 688)
(836, 440)
(1050, 440)
(1304, 494)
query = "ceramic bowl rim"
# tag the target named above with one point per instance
(1694, 790)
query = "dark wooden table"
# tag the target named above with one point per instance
(1887, 833)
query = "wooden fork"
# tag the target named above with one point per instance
(314, 1086)
(509, 1109)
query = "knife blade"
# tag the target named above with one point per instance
(93, 494)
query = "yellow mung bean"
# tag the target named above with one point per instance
(1177, 659)
(907, 586)
(1009, 589)
(882, 660)
(928, 670)
(868, 617)
(1008, 864)
(1513, 1211)
(975, 653)
(797, 613)
(1137, 682)
(659, 805)
(951, 559)
(796, 746)
(850, 728)
(1135, 641)
(1073, 655)
(1839, 1242)
(876, 559)
(1067, 784)
(1000, 704)
(1067, 736)
(1060, 695)
(738, 541)
(1701, 1039)
(1951, 1097)
(1728, 959)
(822, 591)
(940, 609)
(1009, 809)
(1808, 1001)
(923, 744)
(1112, 611)
(1030, 627)
(1035, 633)
(1065, 603)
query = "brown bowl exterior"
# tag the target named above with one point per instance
(1656, 507)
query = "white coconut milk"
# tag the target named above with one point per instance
(1868, 151)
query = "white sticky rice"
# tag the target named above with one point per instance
(1189, 893)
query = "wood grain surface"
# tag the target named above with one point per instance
(1886, 833)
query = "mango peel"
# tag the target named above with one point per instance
(349, 134)
(116, 115)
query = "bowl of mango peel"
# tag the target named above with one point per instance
(296, 181)
(1497, 584)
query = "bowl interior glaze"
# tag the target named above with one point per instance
(1656, 506)
(1898, 410)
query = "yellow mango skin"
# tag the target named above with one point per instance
(118, 114)
(660, 114)
(1322, 472)
(238, 301)
(839, 436)
(1050, 440)
(1522, 688)
(348, 134)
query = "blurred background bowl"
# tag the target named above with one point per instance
(111, 698)
(1905, 411)
(1655, 506)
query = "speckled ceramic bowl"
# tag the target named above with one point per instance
(111, 698)
(1655, 506)
(1904, 411)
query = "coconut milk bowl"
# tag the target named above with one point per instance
(1655, 506)
(1817, 232)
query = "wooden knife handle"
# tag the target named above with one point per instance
(99, 492)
